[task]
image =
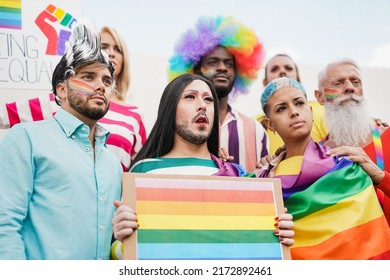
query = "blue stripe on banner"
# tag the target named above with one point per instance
(10, 22)
(10, 16)
(207, 251)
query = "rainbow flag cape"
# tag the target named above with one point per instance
(187, 218)
(336, 215)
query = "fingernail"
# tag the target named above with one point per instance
(276, 224)
(137, 225)
(276, 232)
(281, 239)
(276, 218)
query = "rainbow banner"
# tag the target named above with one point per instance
(338, 216)
(11, 14)
(205, 217)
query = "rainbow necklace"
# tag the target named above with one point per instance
(378, 147)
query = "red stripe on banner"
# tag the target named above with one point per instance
(36, 109)
(13, 115)
(204, 195)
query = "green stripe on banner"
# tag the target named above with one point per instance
(10, 10)
(206, 236)
(328, 190)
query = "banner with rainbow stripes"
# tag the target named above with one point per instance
(11, 14)
(338, 216)
(34, 36)
(203, 217)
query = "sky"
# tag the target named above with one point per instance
(312, 32)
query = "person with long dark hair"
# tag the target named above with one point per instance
(184, 140)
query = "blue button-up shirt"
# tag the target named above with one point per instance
(56, 196)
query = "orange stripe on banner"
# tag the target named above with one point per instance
(203, 195)
(358, 243)
(205, 208)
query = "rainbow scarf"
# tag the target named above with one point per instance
(336, 212)
(182, 219)
(376, 139)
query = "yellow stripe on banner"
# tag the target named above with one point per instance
(205, 208)
(11, 4)
(206, 222)
(348, 213)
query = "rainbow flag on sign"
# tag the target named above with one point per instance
(336, 214)
(11, 14)
(198, 219)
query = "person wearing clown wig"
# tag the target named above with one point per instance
(230, 55)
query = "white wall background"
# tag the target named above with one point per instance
(312, 32)
(149, 80)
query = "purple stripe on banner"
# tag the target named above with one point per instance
(9, 26)
(11, 23)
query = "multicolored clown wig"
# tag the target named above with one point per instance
(209, 33)
(84, 49)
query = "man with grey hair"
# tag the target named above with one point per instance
(58, 180)
(352, 131)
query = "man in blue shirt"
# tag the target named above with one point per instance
(58, 180)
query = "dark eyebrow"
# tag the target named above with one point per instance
(191, 90)
(87, 72)
(218, 58)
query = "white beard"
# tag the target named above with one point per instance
(348, 120)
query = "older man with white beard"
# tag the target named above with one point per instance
(352, 131)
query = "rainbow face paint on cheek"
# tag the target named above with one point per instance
(207, 72)
(330, 93)
(80, 87)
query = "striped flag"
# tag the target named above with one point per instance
(10, 14)
(338, 216)
(206, 219)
